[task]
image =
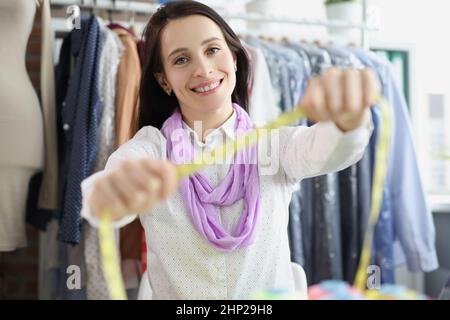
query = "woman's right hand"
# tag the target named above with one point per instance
(135, 186)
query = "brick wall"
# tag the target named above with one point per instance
(19, 269)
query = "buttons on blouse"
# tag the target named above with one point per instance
(66, 126)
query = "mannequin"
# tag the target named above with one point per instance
(27, 126)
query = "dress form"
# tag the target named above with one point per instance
(21, 122)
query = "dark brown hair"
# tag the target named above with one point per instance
(155, 106)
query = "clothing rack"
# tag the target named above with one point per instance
(115, 5)
(135, 7)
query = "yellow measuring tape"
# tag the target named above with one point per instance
(379, 176)
(233, 146)
(110, 260)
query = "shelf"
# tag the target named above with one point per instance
(118, 5)
(439, 203)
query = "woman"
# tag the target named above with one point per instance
(221, 233)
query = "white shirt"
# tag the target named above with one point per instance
(96, 288)
(262, 102)
(182, 264)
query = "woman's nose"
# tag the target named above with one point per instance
(203, 68)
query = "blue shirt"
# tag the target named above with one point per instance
(354, 189)
(404, 197)
(80, 115)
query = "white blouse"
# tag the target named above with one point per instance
(182, 264)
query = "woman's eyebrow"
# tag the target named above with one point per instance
(209, 40)
(185, 49)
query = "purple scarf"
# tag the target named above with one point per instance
(202, 200)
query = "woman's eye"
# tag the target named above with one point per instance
(213, 50)
(181, 60)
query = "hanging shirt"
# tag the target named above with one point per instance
(127, 91)
(404, 198)
(80, 117)
(354, 189)
(127, 100)
(315, 212)
(306, 67)
(292, 74)
(262, 103)
(112, 51)
(319, 58)
(182, 265)
(109, 63)
(343, 58)
(275, 66)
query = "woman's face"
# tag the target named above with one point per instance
(198, 64)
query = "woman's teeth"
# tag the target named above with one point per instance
(208, 88)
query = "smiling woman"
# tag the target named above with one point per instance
(206, 68)
(220, 233)
(199, 69)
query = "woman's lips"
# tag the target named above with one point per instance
(210, 91)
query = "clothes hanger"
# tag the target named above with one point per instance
(267, 38)
(132, 20)
(110, 13)
(285, 40)
(93, 9)
(318, 43)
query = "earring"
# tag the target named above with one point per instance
(169, 92)
(235, 68)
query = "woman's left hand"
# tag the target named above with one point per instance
(341, 95)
